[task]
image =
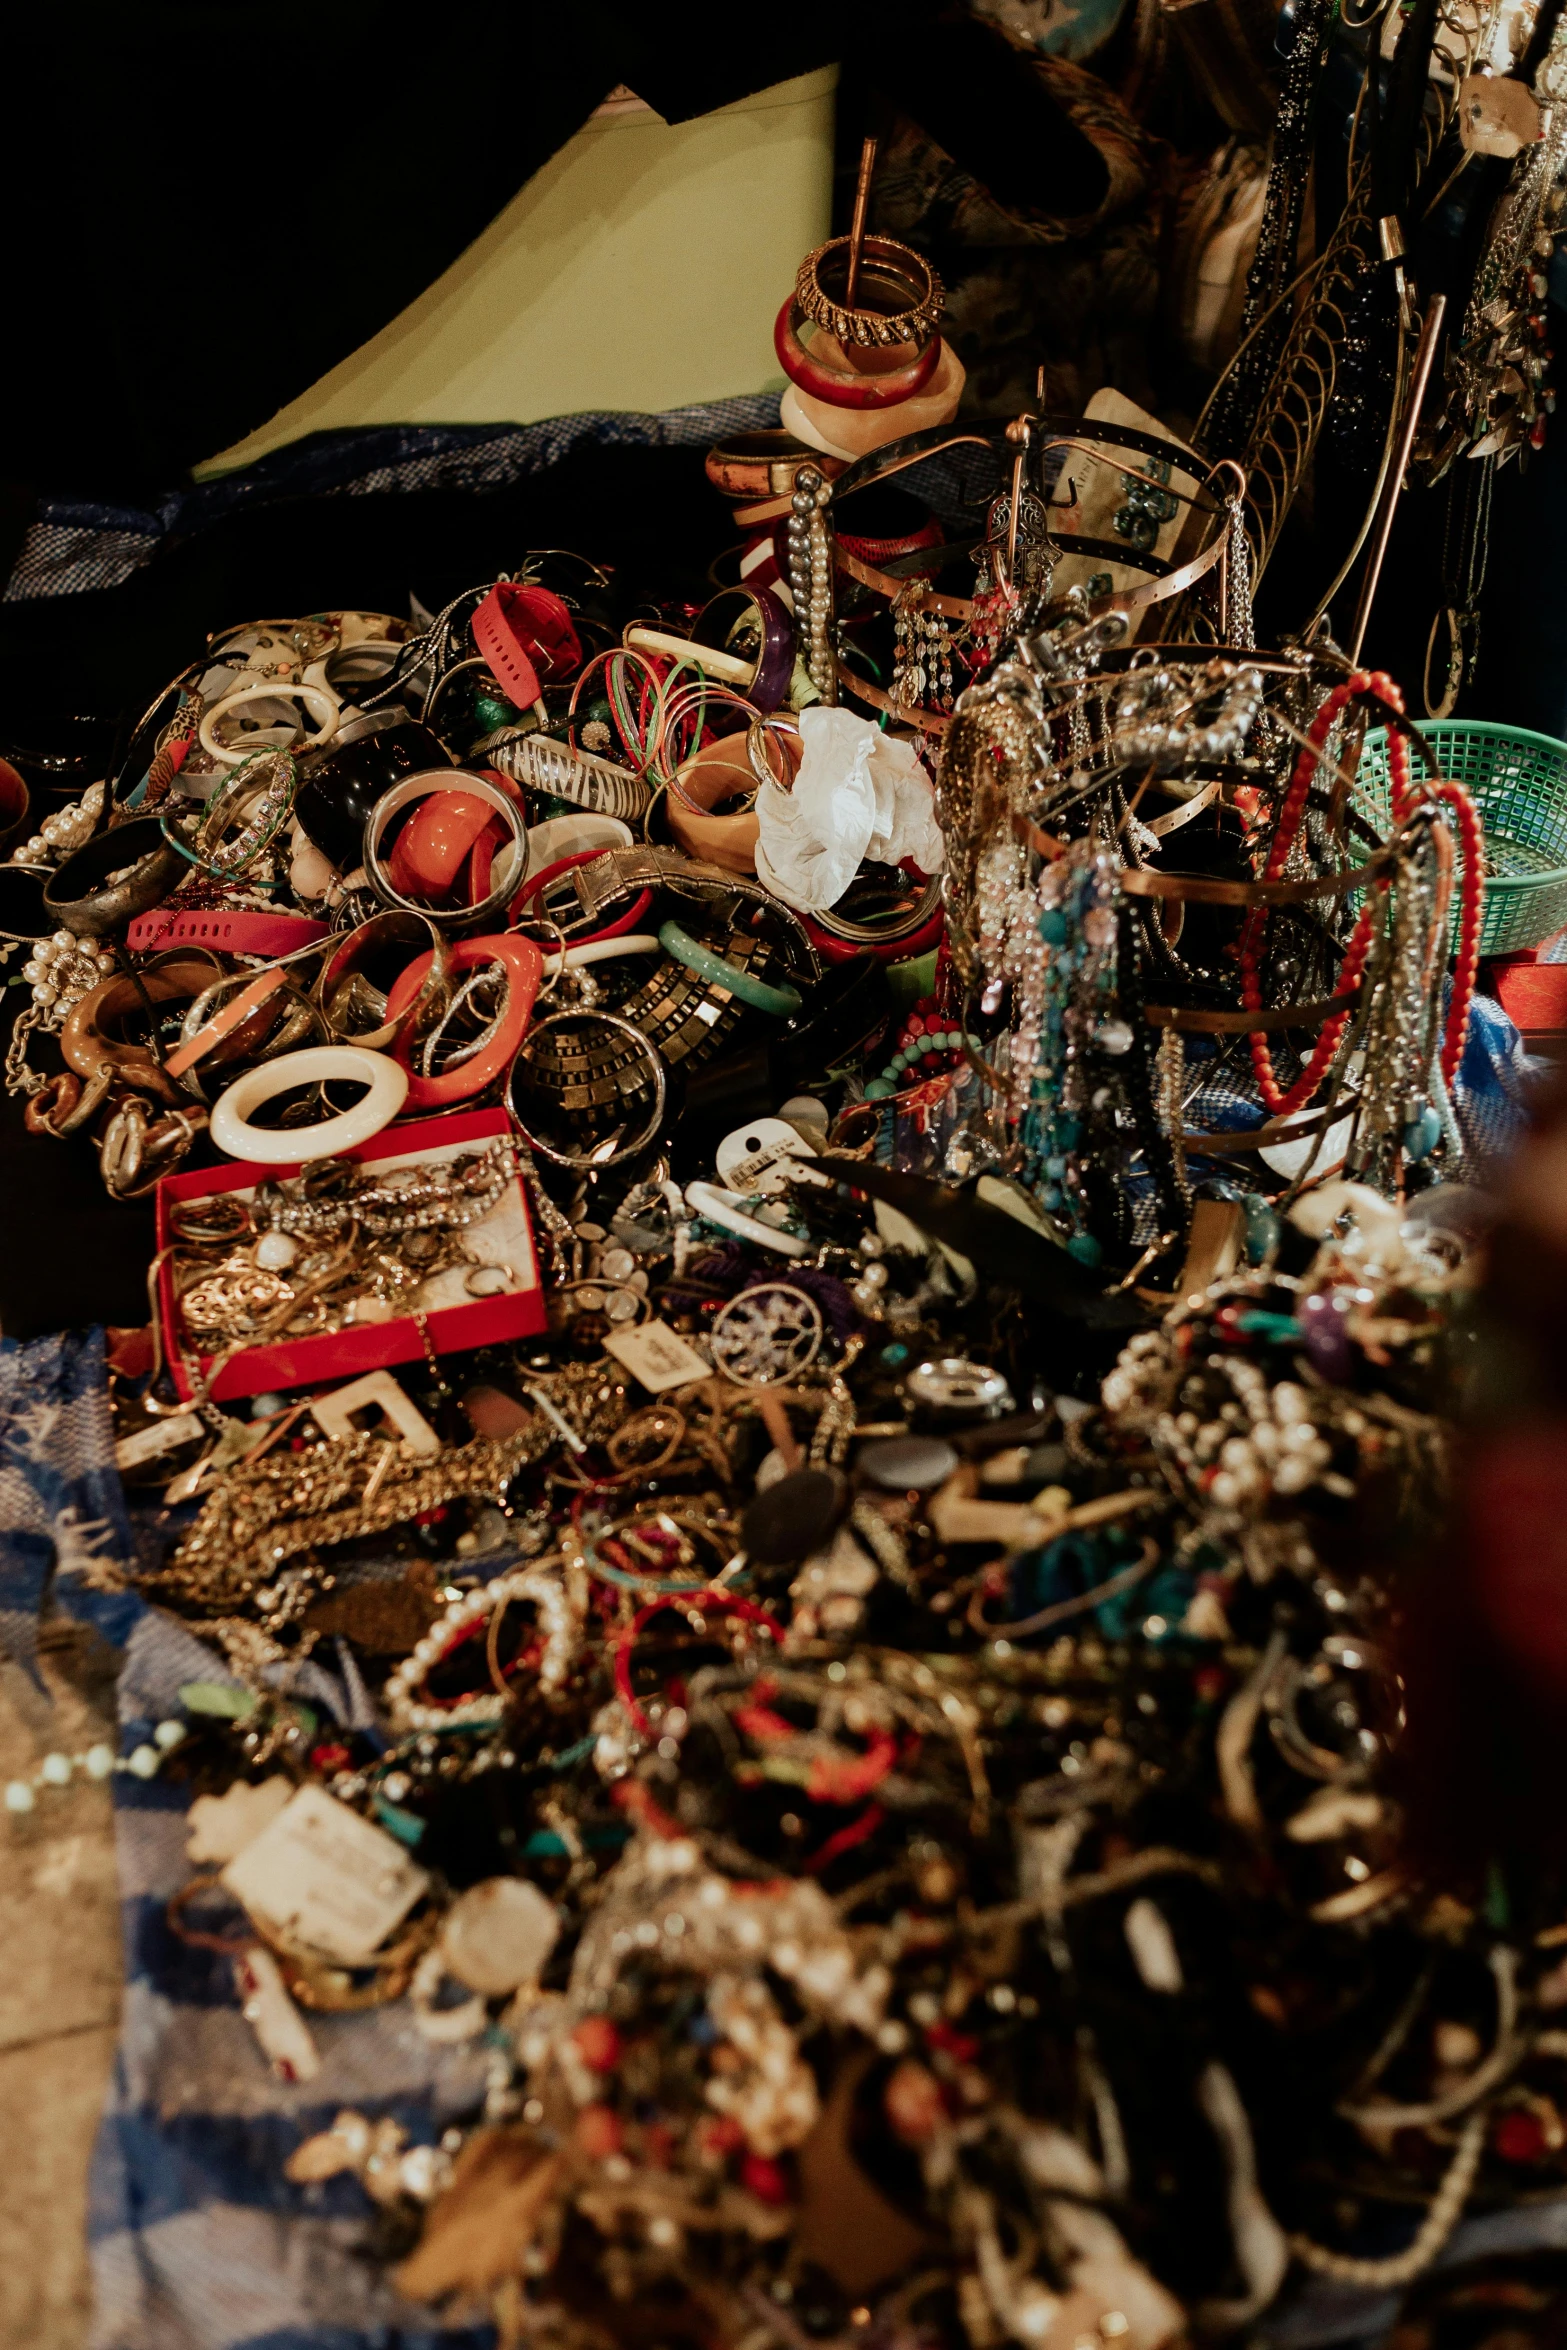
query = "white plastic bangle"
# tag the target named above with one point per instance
(321, 702)
(604, 950)
(728, 1209)
(230, 1129)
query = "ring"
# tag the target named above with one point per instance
(421, 787)
(595, 1158)
(782, 1002)
(276, 1147)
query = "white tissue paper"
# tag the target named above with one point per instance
(859, 794)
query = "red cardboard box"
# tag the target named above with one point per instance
(504, 1236)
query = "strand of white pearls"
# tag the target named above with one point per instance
(556, 1621)
(64, 830)
(97, 1762)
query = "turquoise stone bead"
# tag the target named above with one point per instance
(1050, 1197)
(1055, 1166)
(1262, 1227)
(1422, 1134)
(879, 1088)
(1085, 1248)
(1053, 926)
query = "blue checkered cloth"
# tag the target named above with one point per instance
(72, 547)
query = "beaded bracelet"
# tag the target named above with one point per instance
(458, 1624)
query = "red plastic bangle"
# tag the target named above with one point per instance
(428, 853)
(846, 387)
(899, 950)
(747, 1609)
(525, 967)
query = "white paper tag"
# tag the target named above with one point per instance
(658, 1356)
(325, 1876)
(755, 1159)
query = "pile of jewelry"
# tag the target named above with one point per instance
(811, 1264)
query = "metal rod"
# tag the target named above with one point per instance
(1425, 357)
(862, 199)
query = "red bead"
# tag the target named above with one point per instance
(597, 2042)
(763, 2179)
(1519, 2136)
(598, 2132)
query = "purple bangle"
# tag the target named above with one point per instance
(775, 667)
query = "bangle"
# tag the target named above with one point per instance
(781, 1002)
(712, 775)
(84, 1046)
(421, 787)
(728, 1209)
(232, 1132)
(881, 552)
(917, 913)
(599, 1158)
(336, 994)
(537, 885)
(774, 751)
(522, 963)
(847, 387)
(317, 696)
(717, 622)
(601, 950)
(243, 1021)
(541, 764)
(429, 853)
(887, 268)
(83, 898)
(757, 464)
(262, 788)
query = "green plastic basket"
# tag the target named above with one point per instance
(1519, 784)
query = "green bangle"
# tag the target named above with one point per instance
(782, 1002)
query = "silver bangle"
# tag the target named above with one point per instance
(598, 1158)
(423, 786)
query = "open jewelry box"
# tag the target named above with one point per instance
(449, 1314)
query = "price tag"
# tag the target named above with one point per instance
(325, 1876)
(658, 1356)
